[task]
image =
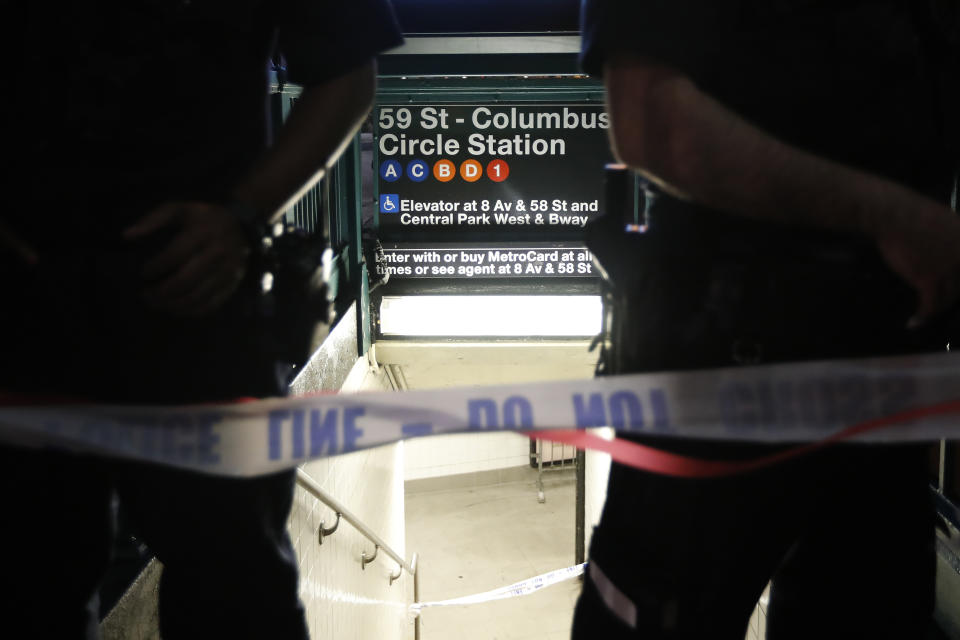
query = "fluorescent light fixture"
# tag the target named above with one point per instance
(566, 316)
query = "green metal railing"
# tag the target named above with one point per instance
(332, 210)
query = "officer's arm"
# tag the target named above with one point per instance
(204, 262)
(663, 126)
(321, 123)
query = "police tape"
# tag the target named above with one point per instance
(893, 399)
(523, 588)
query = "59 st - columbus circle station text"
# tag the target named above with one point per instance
(482, 119)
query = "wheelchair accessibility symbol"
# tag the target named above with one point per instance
(389, 203)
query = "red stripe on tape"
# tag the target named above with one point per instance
(638, 456)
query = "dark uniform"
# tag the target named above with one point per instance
(846, 534)
(119, 107)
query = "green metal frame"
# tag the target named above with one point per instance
(488, 64)
(346, 239)
(469, 89)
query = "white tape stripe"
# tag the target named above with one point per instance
(794, 402)
(523, 588)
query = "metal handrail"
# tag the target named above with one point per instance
(323, 532)
(416, 595)
(413, 568)
(311, 485)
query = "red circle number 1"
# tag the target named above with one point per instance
(498, 170)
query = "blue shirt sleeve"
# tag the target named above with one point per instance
(322, 39)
